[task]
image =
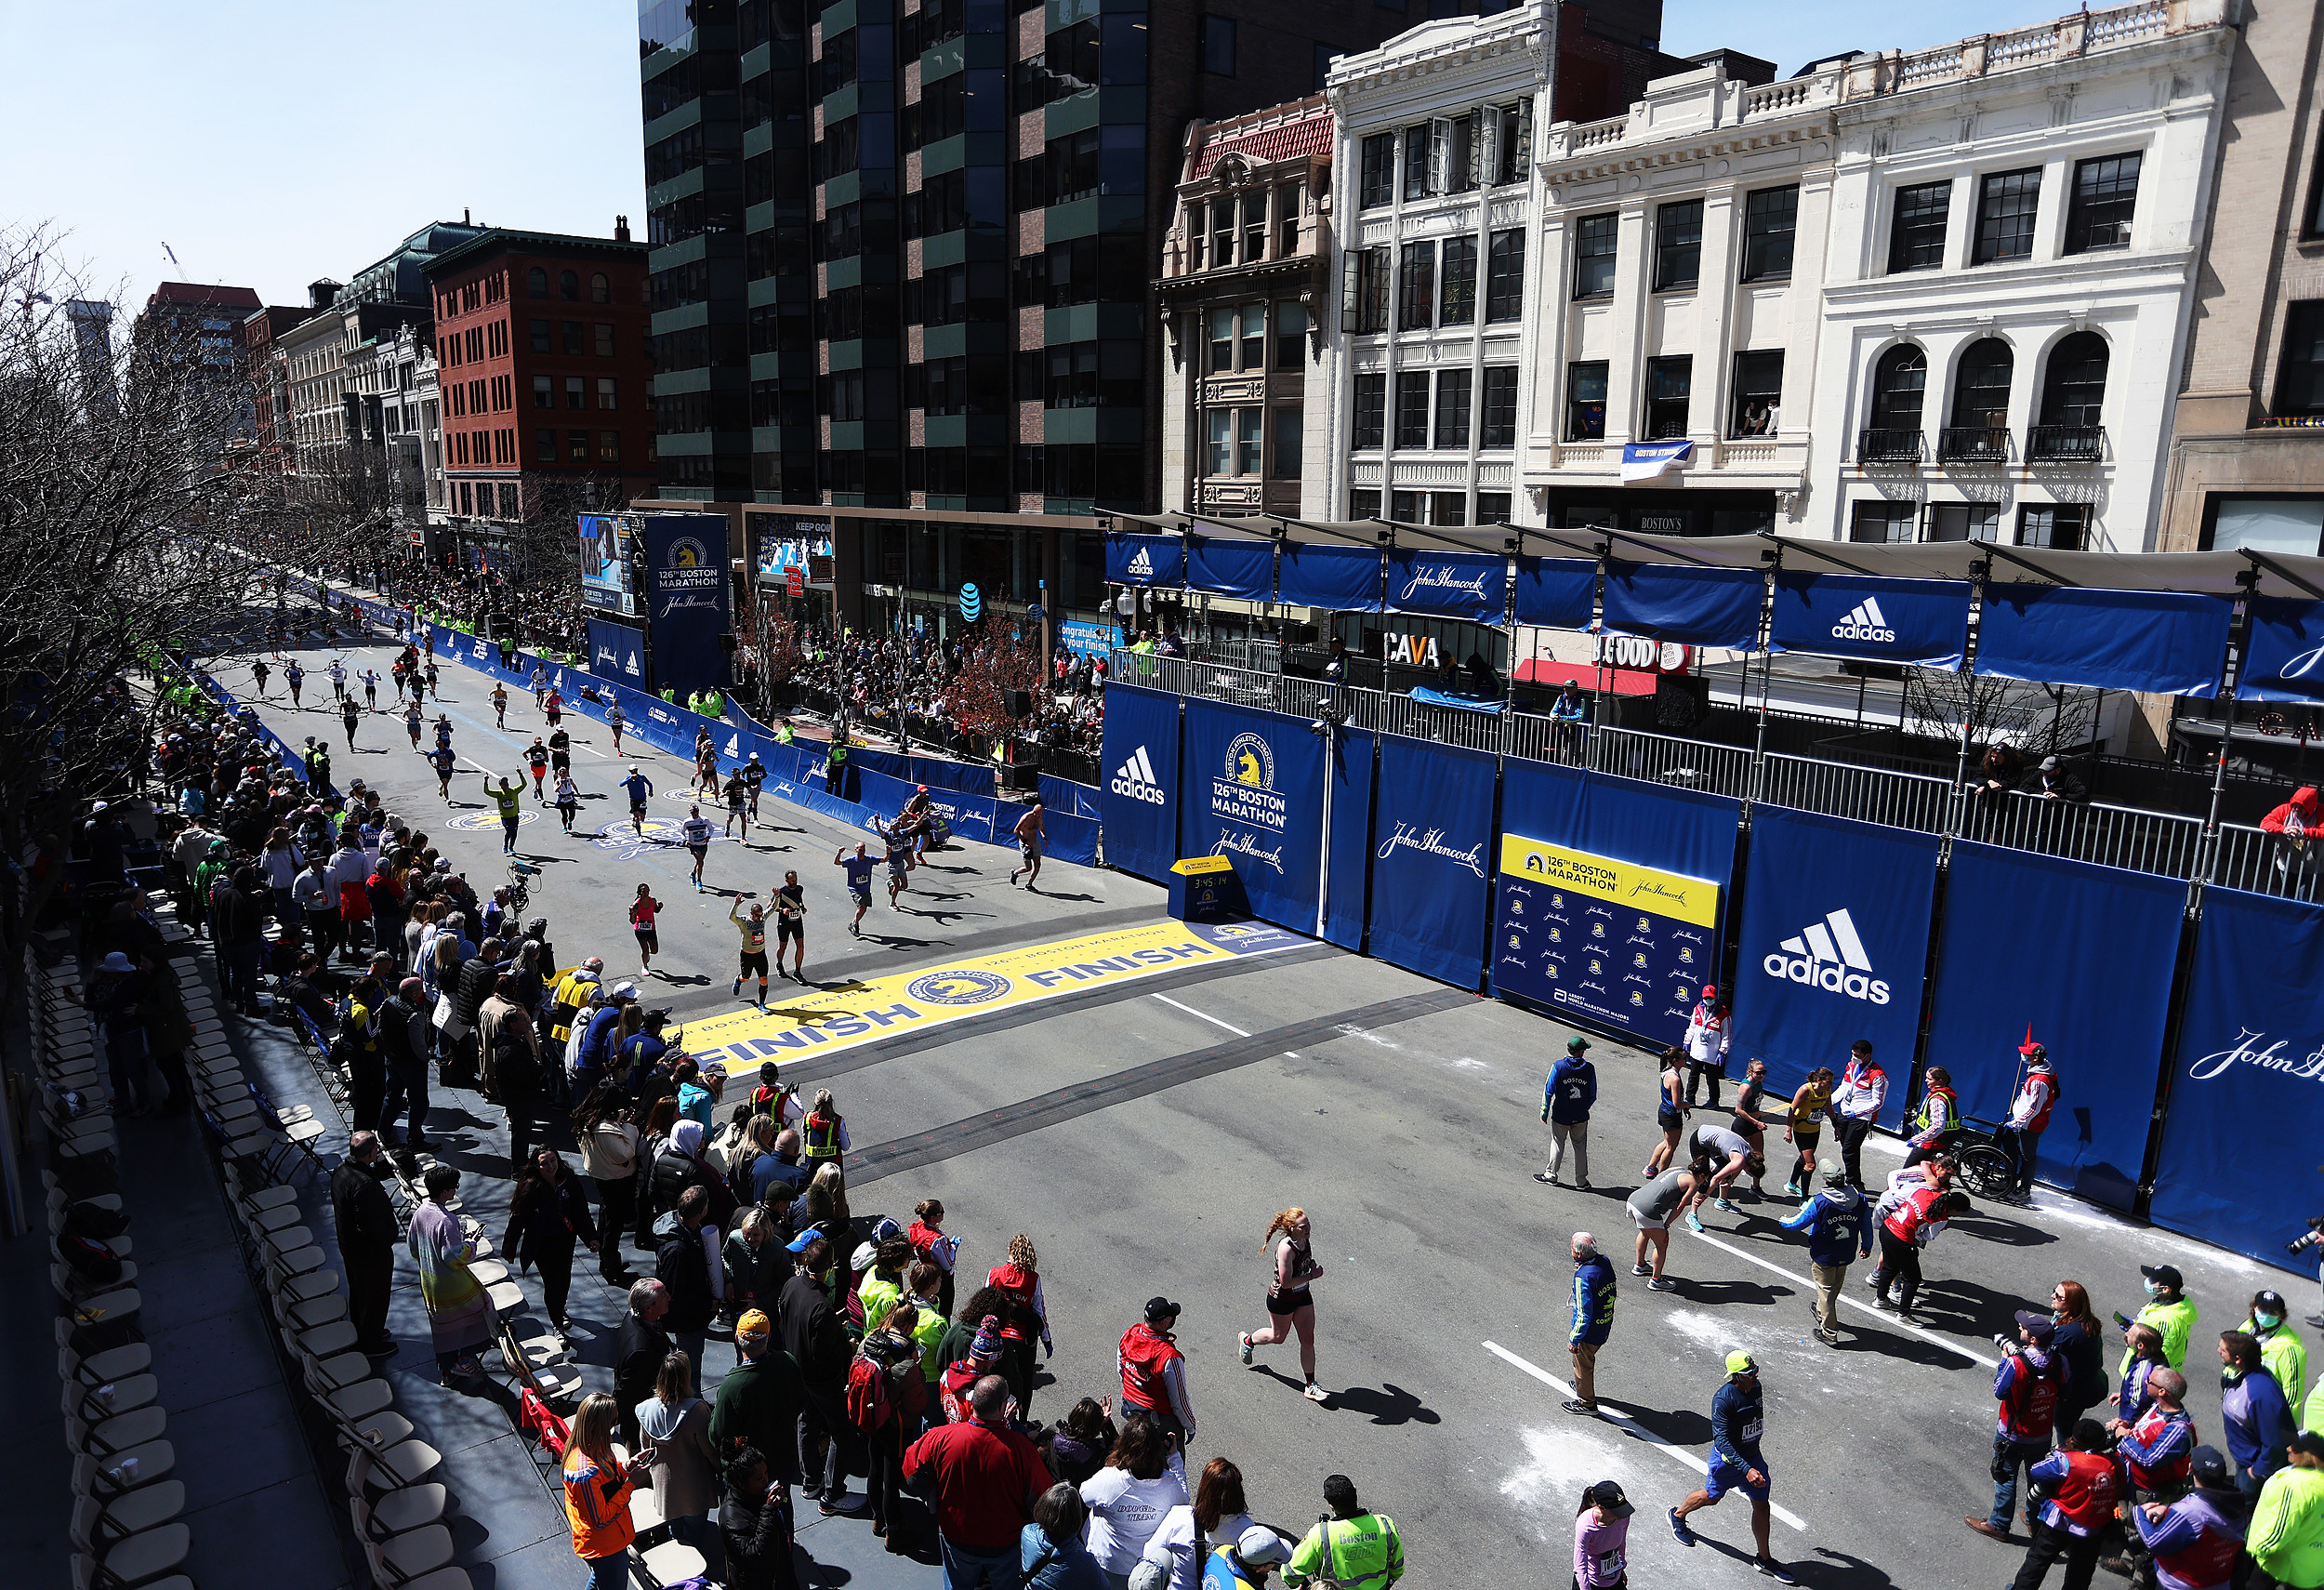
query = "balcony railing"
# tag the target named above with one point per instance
(2066, 443)
(1973, 444)
(1888, 445)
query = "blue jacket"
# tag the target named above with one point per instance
(1593, 1302)
(1838, 1226)
(1571, 1090)
(597, 1043)
(2259, 1424)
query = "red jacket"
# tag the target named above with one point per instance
(987, 1479)
(1145, 1354)
(1905, 1221)
(1018, 1282)
(2304, 806)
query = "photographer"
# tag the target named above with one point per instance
(2028, 1386)
(2300, 1245)
(609, 1152)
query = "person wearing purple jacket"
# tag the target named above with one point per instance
(1602, 1539)
(2028, 1386)
(2195, 1539)
(2259, 1423)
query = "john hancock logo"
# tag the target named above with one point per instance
(1431, 842)
(958, 986)
(1243, 796)
(2253, 1049)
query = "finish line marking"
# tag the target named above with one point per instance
(1631, 1427)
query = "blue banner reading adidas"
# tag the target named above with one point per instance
(1145, 560)
(1922, 621)
(1140, 793)
(1835, 940)
(1431, 858)
(1251, 787)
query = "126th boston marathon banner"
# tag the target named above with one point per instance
(1252, 789)
(1622, 943)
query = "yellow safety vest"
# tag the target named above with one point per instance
(823, 1137)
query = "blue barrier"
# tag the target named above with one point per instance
(1431, 858)
(1348, 867)
(1062, 795)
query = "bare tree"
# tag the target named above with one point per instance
(2039, 720)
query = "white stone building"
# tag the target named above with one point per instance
(1426, 373)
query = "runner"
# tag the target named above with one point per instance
(1809, 1107)
(536, 763)
(616, 720)
(370, 677)
(432, 676)
(1031, 838)
(1651, 1208)
(510, 798)
(697, 830)
(350, 715)
(444, 763)
(899, 858)
(568, 799)
(790, 927)
(641, 914)
(561, 752)
(860, 868)
(444, 731)
(540, 683)
(554, 706)
(338, 680)
(706, 765)
(1670, 1110)
(754, 777)
(639, 788)
(259, 673)
(1707, 1146)
(754, 932)
(737, 803)
(1737, 1416)
(413, 722)
(500, 705)
(1289, 1305)
(293, 676)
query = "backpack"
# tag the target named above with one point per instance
(868, 1406)
(89, 1259)
(94, 1221)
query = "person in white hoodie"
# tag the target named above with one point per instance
(1708, 1035)
(1129, 1498)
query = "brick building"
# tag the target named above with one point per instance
(543, 369)
(265, 369)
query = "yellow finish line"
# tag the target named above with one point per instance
(914, 1001)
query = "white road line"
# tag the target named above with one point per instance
(1882, 1314)
(1629, 1426)
(1214, 1021)
(595, 753)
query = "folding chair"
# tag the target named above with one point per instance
(107, 1364)
(103, 1400)
(124, 1474)
(395, 1510)
(112, 1438)
(399, 1558)
(133, 1512)
(126, 1561)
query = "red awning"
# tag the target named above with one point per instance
(1588, 676)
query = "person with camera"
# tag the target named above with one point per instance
(2155, 1454)
(2302, 1244)
(1350, 1545)
(2029, 1385)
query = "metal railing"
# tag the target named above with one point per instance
(2161, 843)
(1965, 443)
(2066, 443)
(1890, 445)
(1664, 759)
(1868, 794)
(2266, 864)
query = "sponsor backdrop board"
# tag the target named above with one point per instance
(1231, 565)
(1349, 868)
(1612, 940)
(1473, 586)
(688, 603)
(1252, 789)
(618, 653)
(1139, 794)
(1431, 846)
(2240, 1141)
(2091, 971)
(1145, 560)
(1922, 621)
(1834, 943)
(605, 546)
(2283, 659)
(2172, 643)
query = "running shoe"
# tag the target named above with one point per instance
(738, 988)
(1315, 1393)
(1693, 1221)
(1662, 1283)
(1770, 1568)
(1576, 1405)
(1581, 1186)
(1647, 1170)
(1725, 1204)
(1640, 1270)
(1243, 1341)
(1678, 1527)
(1545, 1178)
(1793, 1188)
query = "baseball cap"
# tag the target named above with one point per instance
(800, 1243)
(2049, 764)
(2270, 1300)
(1609, 1495)
(1741, 1362)
(1576, 1045)
(1711, 991)
(624, 991)
(2041, 1325)
(754, 1322)
(2163, 1275)
(1160, 1308)
(1835, 1173)
(2210, 1464)
(1260, 1547)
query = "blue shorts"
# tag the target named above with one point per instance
(1726, 1477)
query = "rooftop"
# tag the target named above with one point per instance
(1300, 129)
(503, 239)
(202, 296)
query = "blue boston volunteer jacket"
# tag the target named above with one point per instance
(1571, 1090)
(1593, 1302)
(1838, 1226)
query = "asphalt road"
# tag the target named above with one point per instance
(1143, 1133)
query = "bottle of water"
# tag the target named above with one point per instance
(123, 1473)
(106, 1393)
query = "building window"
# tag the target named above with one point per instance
(1492, 508)
(1289, 424)
(2300, 378)
(1363, 505)
(1899, 382)
(1980, 418)
(1593, 255)
(1416, 309)
(1678, 244)
(1667, 384)
(605, 393)
(573, 336)
(2006, 200)
(578, 442)
(2291, 524)
(1290, 204)
(2061, 528)
(1365, 285)
(1460, 282)
(604, 340)
(1371, 412)
(1222, 340)
(601, 288)
(1965, 521)
(1880, 522)
(1405, 508)
(2073, 396)
(535, 285)
(1916, 237)
(1505, 275)
(1447, 508)
(1496, 427)
(1255, 336)
(1512, 141)
(1376, 183)
(1254, 228)
(1248, 424)
(1452, 410)
(1222, 233)
(1291, 335)
(467, 497)
(1770, 220)
(1197, 238)
(545, 446)
(1585, 401)
(568, 284)
(1415, 153)
(1755, 406)
(1218, 45)
(2106, 191)
(574, 387)
(1221, 441)
(1412, 408)
(539, 331)
(544, 392)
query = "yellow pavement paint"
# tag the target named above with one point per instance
(979, 985)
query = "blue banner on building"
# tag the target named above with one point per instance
(1140, 793)
(688, 601)
(1558, 593)
(1473, 586)
(618, 653)
(2283, 657)
(2089, 970)
(1231, 565)
(1921, 621)
(1431, 858)
(2168, 641)
(1252, 789)
(1335, 574)
(1701, 606)
(1348, 867)
(1085, 639)
(1145, 560)
(1835, 943)
(2247, 1080)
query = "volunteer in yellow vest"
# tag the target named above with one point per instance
(1355, 1549)
(2169, 1311)
(825, 1135)
(573, 993)
(2282, 1353)
(784, 734)
(598, 1486)
(2286, 1536)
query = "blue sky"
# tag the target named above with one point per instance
(271, 143)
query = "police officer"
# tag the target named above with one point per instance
(1363, 1550)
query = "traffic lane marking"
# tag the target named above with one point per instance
(1632, 1427)
(1214, 1021)
(1879, 1314)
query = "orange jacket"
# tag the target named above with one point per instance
(596, 1505)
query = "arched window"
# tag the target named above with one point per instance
(2073, 394)
(1899, 380)
(1980, 418)
(601, 288)
(536, 282)
(568, 285)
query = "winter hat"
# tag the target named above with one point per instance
(686, 1138)
(985, 1348)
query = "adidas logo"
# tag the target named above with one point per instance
(1141, 564)
(1134, 779)
(1827, 955)
(1866, 623)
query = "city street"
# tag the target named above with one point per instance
(1143, 1127)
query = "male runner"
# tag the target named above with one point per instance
(899, 841)
(350, 714)
(696, 828)
(536, 763)
(737, 803)
(560, 752)
(444, 763)
(500, 705)
(370, 677)
(540, 683)
(616, 720)
(431, 678)
(293, 676)
(1032, 839)
(1738, 1414)
(639, 787)
(754, 777)
(338, 680)
(259, 673)
(413, 722)
(754, 932)
(510, 798)
(860, 868)
(790, 925)
(444, 731)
